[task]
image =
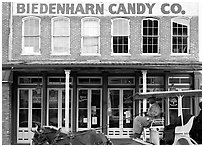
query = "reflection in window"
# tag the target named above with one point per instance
(90, 35)
(120, 35)
(180, 35)
(31, 35)
(61, 35)
(150, 35)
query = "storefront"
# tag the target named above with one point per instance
(80, 70)
(101, 100)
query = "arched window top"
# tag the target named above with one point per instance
(121, 27)
(150, 22)
(61, 26)
(31, 26)
(181, 20)
(90, 26)
(31, 18)
(90, 19)
(60, 19)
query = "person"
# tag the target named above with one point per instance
(140, 122)
(196, 130)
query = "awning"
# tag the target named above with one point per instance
(7, 76)
(165, 94)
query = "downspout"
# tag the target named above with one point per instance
(10, 47)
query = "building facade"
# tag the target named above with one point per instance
(81, 72)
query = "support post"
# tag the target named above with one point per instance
(67, 75)
(144, 80)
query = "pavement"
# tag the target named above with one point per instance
(127, 141)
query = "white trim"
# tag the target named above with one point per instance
(52, 42)
(83, 35)
(23, 31)
(129, 27)
(29, 134)
(183, 21)
(83, 77)
(30, 77)
(113, 131)
(158, 36)
(177, 77)
(114, 77)
(89, 90)
(59, 108)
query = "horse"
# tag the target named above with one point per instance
(53, 136)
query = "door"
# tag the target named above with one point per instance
(89, 109)
(56, 107)
(122, 107)
(29, 111)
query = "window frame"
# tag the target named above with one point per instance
(23, 51)
(120, 54)
(158, 37)
(175, 19)
(82, 36)
(52, 36)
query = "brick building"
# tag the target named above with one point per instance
(80, 71)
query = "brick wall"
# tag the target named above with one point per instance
(6, 114)
(5, 31)
(105, 41)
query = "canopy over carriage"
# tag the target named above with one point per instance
(181, 132)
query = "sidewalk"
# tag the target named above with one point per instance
(124, 141)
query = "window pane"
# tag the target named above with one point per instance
(31, 27)
(179, 42)
(32, 43)
(23, 102)
(61, 44)
(91, 27)
(144, 48)
(23, 118)
(90, 45)
(61, 27)
(150, 41)
(36, 115)
(53, 99)
(53, 117)
(121, 27)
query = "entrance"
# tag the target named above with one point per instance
(89, 109)
(29, 111)
(56, 107)
(122, 110)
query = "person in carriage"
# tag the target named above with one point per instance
(145, 121)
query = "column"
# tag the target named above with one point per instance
(105, 102)
(67, 74)
(144, 78)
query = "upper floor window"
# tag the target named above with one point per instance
(31, 36)
(60, 36)
(180, 35)
(90, 36)
(150, 35)
(120, 35)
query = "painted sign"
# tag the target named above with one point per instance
(106, 9)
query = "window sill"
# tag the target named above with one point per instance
(61, 54)
(180, 54)
(150, 54)
(30, 54)
(120, 54)
(82, 54)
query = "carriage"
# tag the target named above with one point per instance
(181, 131)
